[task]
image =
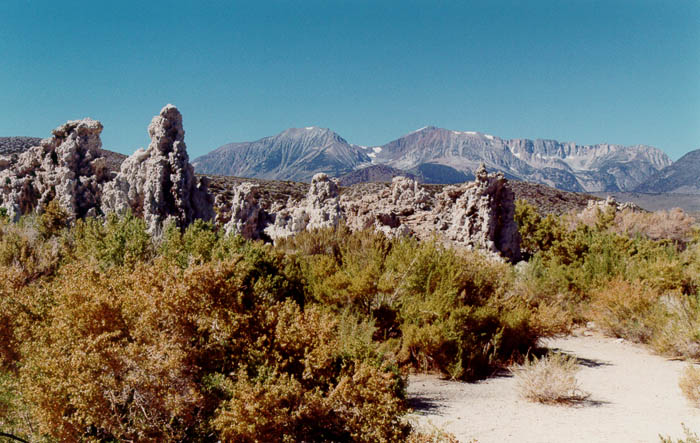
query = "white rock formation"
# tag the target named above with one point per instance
(477, 214)
(67, 167)
(407, 193)
(480, 214)
(319, 209)
(159, 183)
(248, 219)
(610, 203)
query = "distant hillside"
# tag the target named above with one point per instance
(374, 173)
(436, 155)
(656, 202)
(682, 177)
(14, 145)
(114, 159)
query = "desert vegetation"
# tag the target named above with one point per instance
(110, 334)
(690, 384)
(549, 379)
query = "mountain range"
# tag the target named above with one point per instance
(682, 177)
(437, 155)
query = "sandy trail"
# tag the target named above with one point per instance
(634, 398)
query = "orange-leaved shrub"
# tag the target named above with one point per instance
(152, 352)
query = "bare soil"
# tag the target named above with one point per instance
(634, 398)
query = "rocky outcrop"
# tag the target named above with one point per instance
(596, 206)
(408, 195)
(475, 215)
(480, 214)
(319, 209)
(159, 183)
(67, 167)
(248, 219)
(387, 210)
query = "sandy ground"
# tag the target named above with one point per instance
(634, 398)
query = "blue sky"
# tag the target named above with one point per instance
(615, 71)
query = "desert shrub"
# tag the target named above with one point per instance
(434, 308)
(549, 379)
(52, 220)
(356, 279)
(167, 354)
(537, 233)
(119, 240)
(690, 266)
(317, 241)
(678, 334)
(15, 420)
(456, 312)
(360, 407)
(625, 309)
(673, 225)
(25, 250)
(434, 435)
(193, 246)
(689, 383)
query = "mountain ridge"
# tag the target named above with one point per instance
(438, 155)
(293, 154)
(681, 177)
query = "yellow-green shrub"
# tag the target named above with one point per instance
(436, 309)
(116, 241)
(689, 383)
(626, 309)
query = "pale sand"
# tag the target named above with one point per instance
(634, 398)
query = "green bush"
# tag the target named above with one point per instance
(116, 241)
(434, 308)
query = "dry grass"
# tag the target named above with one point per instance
(689, 383)
(550, 379)
(690, 437)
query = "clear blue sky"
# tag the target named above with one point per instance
(616, 71)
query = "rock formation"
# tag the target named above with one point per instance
(159, 183)
(407, 194)
(248, 219)
(478, 214)
(385, 210)
(68, 167)
(481, 214)
(596, 206)
(319, 209)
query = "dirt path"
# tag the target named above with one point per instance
(634, 398)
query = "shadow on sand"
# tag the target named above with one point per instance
(424, 405)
